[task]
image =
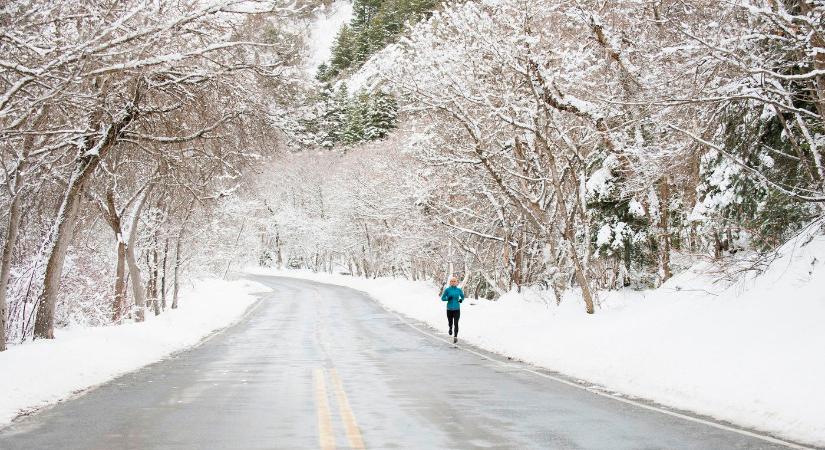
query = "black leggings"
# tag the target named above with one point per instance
(452, 317)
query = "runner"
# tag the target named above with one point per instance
(453, 295)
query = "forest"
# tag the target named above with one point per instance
(571, 145)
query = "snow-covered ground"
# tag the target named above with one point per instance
(42, 372)
(750, 352)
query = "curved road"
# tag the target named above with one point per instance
(321, 366)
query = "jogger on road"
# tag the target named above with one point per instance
(453, 295)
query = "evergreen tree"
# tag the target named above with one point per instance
(620, 221)
(342, 52)
(382, 113)
(356, 120)
(741, 208)
(363, 12)
(375, 23)
(323, 73)
(337, 117)
(341, 119)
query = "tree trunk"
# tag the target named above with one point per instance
(518, 261)
(569, 234)
(176, 270)
(163, 275)
(114, 219)
(15, 215)
(154, 278)
(664, 224)
(176, 273)
(13, 228)
(120, 281)
(63, 229)
(152, 285)
(279, 259)
(57, 244)
(134, 269)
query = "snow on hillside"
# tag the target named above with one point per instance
(369, 76)
(323, 31)
(47, 371)
(749, 352)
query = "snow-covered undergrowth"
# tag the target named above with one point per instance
(42, 372)
(749, 352)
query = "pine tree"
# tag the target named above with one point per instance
(375, 23)
(363, 12)
(342, 52)
(323, 73)
(382, 113)
(620, 221)
(356, 120)
(740, 208)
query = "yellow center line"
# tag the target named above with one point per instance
(351, 426)
(326, 437)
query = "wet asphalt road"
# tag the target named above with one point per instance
(320, 366)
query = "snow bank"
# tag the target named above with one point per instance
(38, 373)
(750, 353)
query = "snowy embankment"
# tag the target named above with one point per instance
(42, 372)
(749, 352)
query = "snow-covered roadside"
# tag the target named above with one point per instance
(750, 353)
(42, 372)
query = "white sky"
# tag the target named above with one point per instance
(323, 31)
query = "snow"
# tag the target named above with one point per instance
(747, 352)
(636, 208)
(604, 235)
(619, 232)
(323, 32)
(599, 183)
(372, 73)
(46, 371)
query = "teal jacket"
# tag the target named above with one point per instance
(453, 296)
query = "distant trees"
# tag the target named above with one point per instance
(335, 117)
(375, 23)
(358, 211)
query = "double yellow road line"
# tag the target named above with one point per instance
(326, 434)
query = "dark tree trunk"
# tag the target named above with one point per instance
(120, 282)
(114, 220)
(664, 224)
(176, 271)
(131, 261)
(152, 260)
(15, 214)
(64, 224)
(15, 187)
(58, 243)
(163, 275)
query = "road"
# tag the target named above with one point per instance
(321, 366)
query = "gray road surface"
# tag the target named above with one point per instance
(319, 366)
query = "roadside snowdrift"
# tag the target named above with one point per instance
(38, 373)
(750, 352)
